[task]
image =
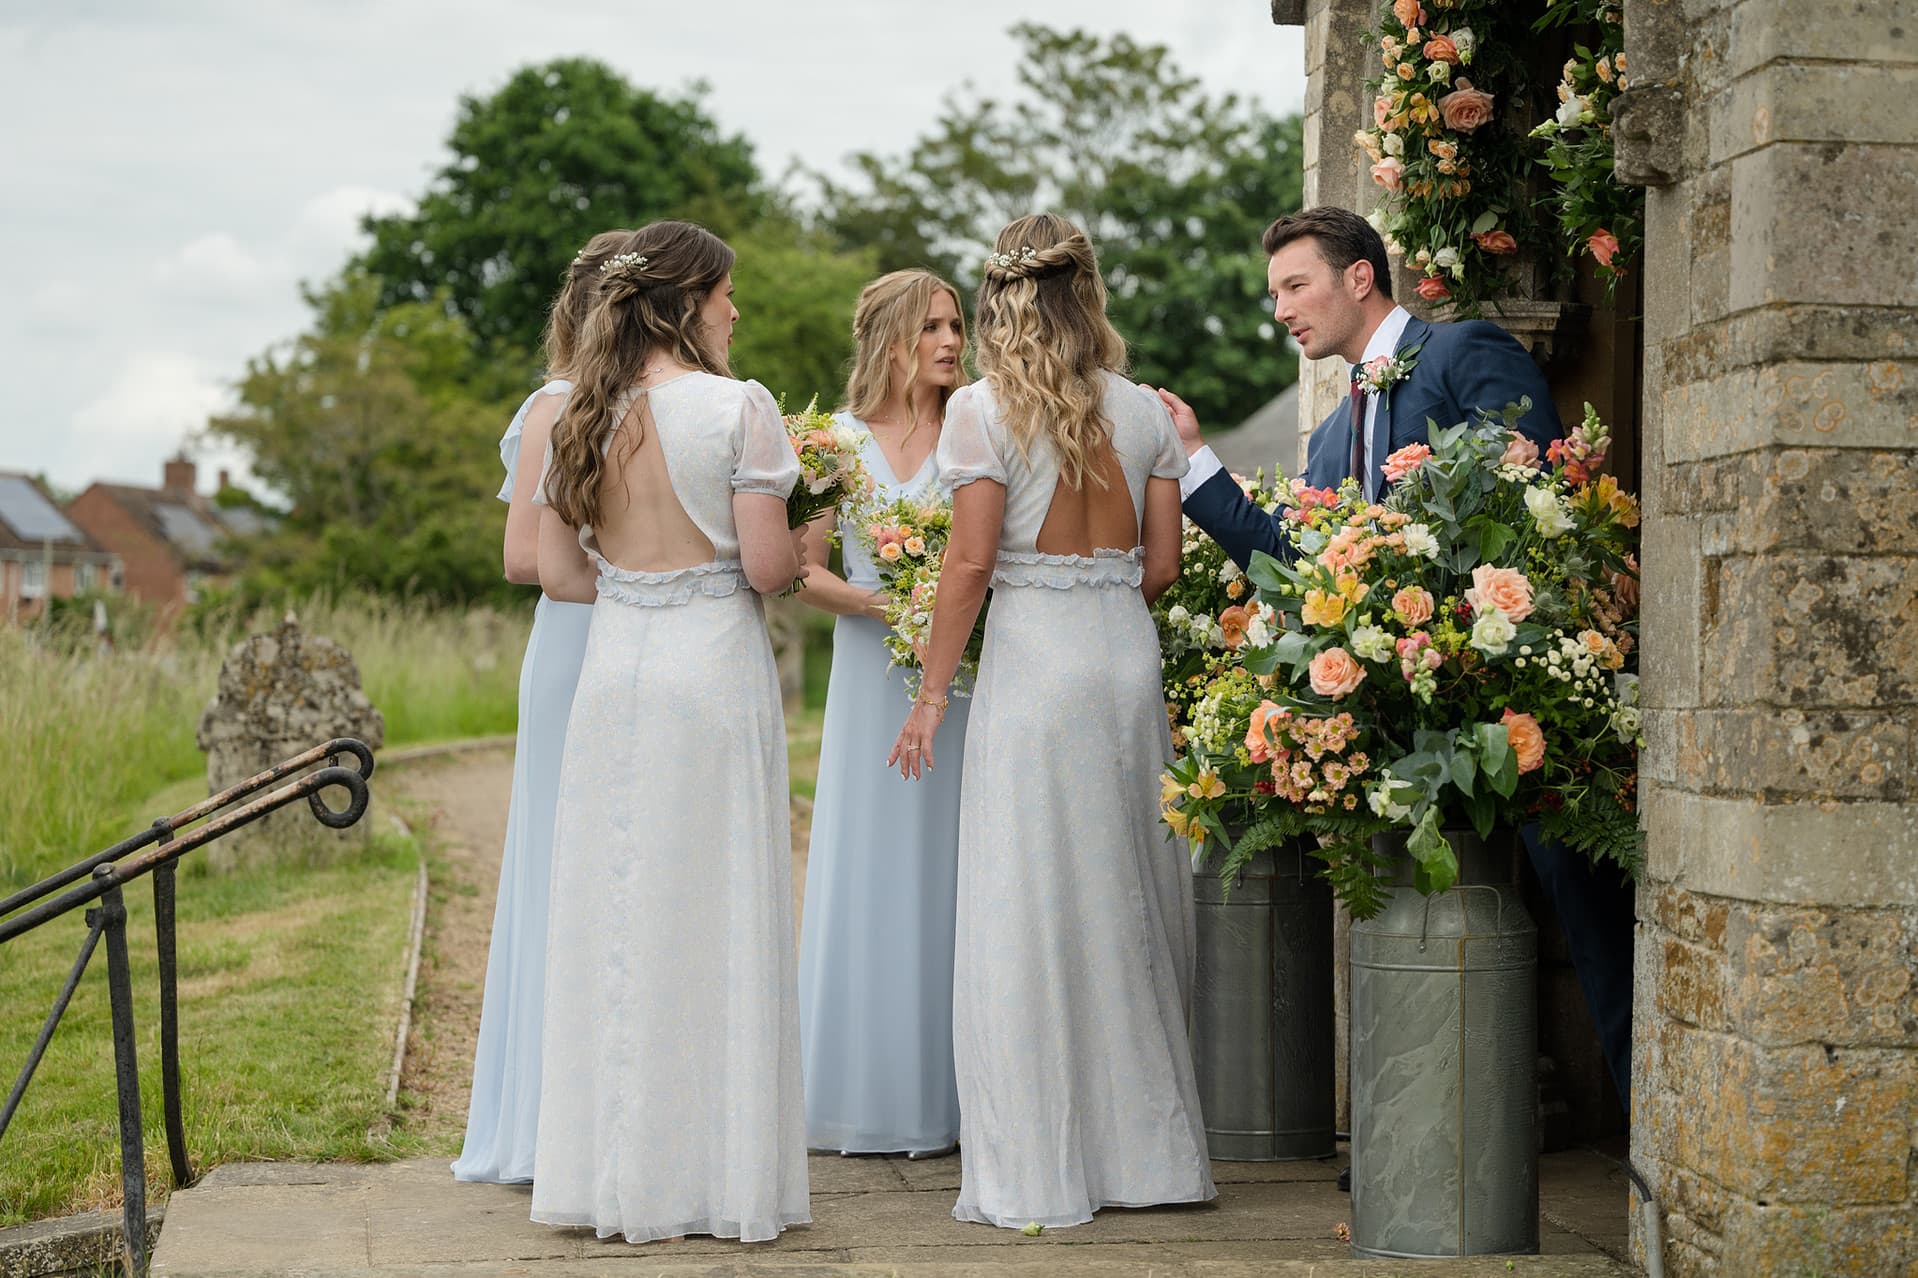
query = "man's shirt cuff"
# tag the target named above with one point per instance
(1205, 464)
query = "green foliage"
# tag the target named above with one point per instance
(1173, 185)
(795, 297)
(561, 152)
(1584, 195)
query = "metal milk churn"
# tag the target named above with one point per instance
(1262, 1037)
(1444, 1061)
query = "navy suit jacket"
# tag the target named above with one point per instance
(1459, 368)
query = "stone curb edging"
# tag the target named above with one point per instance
(416, 935)
(80, 1244)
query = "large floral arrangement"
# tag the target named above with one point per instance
(1209, 614)
(1596, 216)
(907, 541)
(1438, 148)
(1461, 653)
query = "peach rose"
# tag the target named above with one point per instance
(1405, 461)
(1413, 605)
(1255, 743)
(1528, 743)
(1406, 11)
(891, 551)
(1389, 173)
(1603, 245)
(1441, 49)
(1465, 108)
(1496, 241)
(1233, 621)
(1433, 289)
(1520, 452)
(1335, 673)
(1505, 589)
(1381, 111)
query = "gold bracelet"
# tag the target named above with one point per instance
(939, 705)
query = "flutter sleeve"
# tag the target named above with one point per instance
(1170, 462)
(763, 460)
(967, 449)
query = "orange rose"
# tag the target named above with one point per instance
(1465, 108)
(1433, 289)
(1233, 621)
(1496, 241)
(1441, 49)
(1505, 589)
(1528, 743)
(1406, 11)
(1413, 605)
(1520, 452)
(1602, 245)
(1255, 743)
(1335, 673)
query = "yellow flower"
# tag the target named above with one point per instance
(1169, 789)
(1322, 609)
(1208, 786)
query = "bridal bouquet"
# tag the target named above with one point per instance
(1461, 653)
(907, 542)
(831, 473)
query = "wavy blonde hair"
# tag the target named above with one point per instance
(568, 312)
(889, 315)
(635, 311)
(1044, 339)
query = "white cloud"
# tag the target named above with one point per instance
(217, 267)
(144, 415)
(327, 227)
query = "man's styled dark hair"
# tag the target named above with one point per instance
(1343, 237)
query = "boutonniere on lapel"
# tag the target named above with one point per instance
(1378, 376)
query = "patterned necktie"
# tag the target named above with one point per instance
(1358, 429)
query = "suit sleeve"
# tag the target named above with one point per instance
(1220, 507)
(1491, 370)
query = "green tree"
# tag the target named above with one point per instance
(562, 151)
(795, 297)
(387, 464)
(1174, 186)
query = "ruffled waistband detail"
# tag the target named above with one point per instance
(713, 580)
(1124, 568)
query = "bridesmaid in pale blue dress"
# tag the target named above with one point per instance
(875, 949)
(503, 1114)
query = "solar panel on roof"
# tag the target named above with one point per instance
(184, 528)
(25, 510)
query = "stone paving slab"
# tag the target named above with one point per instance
(871, 1216)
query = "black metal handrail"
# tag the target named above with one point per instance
(155, 851)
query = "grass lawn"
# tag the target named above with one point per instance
(290, 984)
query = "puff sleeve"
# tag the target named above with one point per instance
(967, 448)
(763, 460)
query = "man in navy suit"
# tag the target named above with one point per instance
(1331, 288)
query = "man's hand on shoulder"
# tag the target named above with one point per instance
(1184, 420)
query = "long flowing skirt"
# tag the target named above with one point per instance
(875, 948)
(671, 1100)
(1075, 924)
(502, 1119)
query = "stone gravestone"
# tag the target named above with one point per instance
(279, 694)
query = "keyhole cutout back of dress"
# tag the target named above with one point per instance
(1088, 518)
(645, 527)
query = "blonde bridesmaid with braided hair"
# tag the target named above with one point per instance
(670, 1102)
(875, 948)
(502, 1116)
(1074, 953)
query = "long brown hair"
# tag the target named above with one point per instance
(1044, 339)
(646, 300)
(891, 311)
(568, 312)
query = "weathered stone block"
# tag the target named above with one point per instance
(1806, 853)
(1795, 245)
(1798, 1124)
(1648, 132)
(1673, 618)
(1865, 31)
(1836, 501)
(1838, 405)
(1691, 986)
(1791, 333)
(1668, 259)
(1773, 1238)
(1820, 102)
(1781, 754)
(1824, 976)
(1808, 630)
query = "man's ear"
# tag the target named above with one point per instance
(1359, 280)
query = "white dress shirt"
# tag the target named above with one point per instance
(1384, 341)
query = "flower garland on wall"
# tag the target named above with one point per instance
(1596, 216)
(1456, 208)
(1454, 214)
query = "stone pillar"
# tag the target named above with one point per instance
(1775, 1082)
(281, 694)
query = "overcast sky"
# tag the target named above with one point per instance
(170, 169)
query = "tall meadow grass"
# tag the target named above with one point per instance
(84, 736)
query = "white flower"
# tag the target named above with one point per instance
(1420, 541)
(1626, 721)
(1394, 145)
(1376, 218)
(1440, 73)
(1369, 643)
(1548, 512)
(1230, 573)
(1448, 259)
(1627, 686)
(1465, 42)
(1568, 112)
(1492, 633)
(1258, 634)
(1177, 615)
(1390, 798)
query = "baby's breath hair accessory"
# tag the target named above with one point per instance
(626, 264)
(1004, 260)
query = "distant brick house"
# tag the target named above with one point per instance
(44, 555)
(168, 538)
